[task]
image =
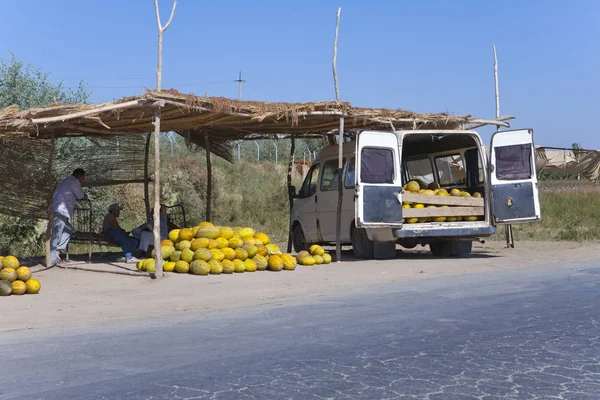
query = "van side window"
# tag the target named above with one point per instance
(329, 181)
(420, 170)
(309, 187)
(513, 162)
(451, 170)
(377, 165)
(350, 180)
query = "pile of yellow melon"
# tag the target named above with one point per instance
(315, 256)
(208, 249)
(434, 189)
(15, 278)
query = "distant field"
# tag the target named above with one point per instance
(570, 212)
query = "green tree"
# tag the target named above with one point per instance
(25, 86)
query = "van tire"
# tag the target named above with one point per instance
(450, 248)
(298, 239)
(362, 246)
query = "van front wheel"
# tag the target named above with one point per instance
(299, 240)
(362, 246)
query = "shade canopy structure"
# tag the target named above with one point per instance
(216, 117)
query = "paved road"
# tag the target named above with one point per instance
(523, 334)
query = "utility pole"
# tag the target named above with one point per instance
(239, 80)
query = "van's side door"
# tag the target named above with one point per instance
(328, 199)
(515, 197)
(305, 204)
(379, 180)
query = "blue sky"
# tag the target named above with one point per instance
(426, 56)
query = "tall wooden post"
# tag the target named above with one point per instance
(338, 227)
(208, 177)
(158, 105)
(48, 236)
(510, 241)
(290, 197)
(147, 177)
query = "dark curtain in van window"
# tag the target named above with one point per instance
(377, 166)
(513, 162)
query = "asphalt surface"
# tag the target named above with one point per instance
(529, 334)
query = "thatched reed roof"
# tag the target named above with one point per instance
(216, 117)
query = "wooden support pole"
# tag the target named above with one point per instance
(338, 227)
(147, 177)
(158, 105)
(208, 177)
(510, 242)
(290, 197)
(48, 236)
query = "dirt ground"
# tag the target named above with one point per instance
(97, 295)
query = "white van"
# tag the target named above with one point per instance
(377, 165)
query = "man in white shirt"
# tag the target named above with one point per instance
(63, 204)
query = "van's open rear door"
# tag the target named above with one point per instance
(378, 180)
(515, 197)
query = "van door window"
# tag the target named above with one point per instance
(451, 170)
(377, 165)
(350, 180)
(513, 162)
(329, 181)
(309, 187)
(420, 170)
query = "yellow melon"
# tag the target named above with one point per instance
(23, 274)
(186, 234)
(315, 249)
(261, 262)
(241, 254)
(166, 251)
(33, 286)
(183, 244)
(412, 220)
(250, 249)
(273, 249)
(470, 218)
(264, 239)
(10, 262)
(229, 253)
(175, 256)
(205, 223)
(262, 250)
(221, 243)
(199, 267)
(235, 242)
(455, 192)
(8, 274)
(217, 254)
(168, 266)
(187, 255)
(209, 232)
(249, 240)
(203, 254)
(174, 235)
(182, 267)
(150, 265)
(477, 195)
(226, 232)
(289, 262)
(246, 232)
(275, 262)
(215, 267)
(19, 288)
(413, 186)
(250, 265)
(326, 258)
(239, 266)
(318, 259)
(309, 260)
(199, 243)
(228, 266)
(167, 242)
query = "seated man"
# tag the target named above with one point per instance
(145, 235)
(113, 230)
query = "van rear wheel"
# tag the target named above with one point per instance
(362, 246)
